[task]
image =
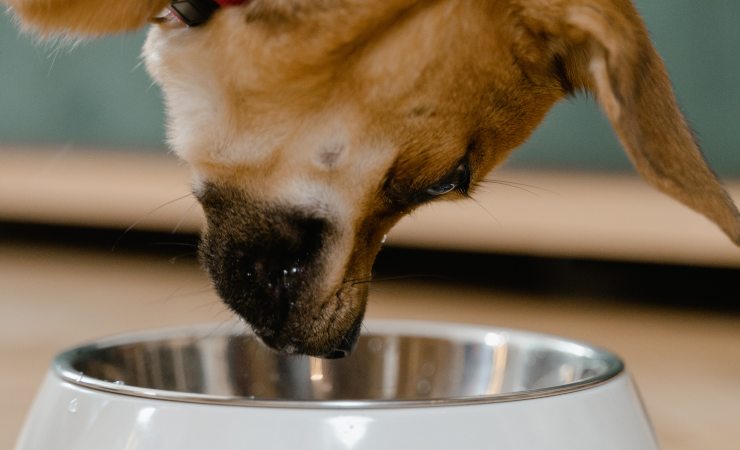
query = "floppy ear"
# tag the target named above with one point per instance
(602, 46)
(80, 18)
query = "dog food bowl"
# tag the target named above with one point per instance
(408, 385)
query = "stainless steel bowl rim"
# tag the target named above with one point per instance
(62, 366)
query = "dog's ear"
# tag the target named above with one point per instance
(603, 46)
(81, 18)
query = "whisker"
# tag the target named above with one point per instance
(184, 215)
(397, 278)
(357, 280)
(194, 293)
(148, 214)
(151, 86)
(217, 327)
(517, 185)
(174, 244)
(482, 206)
(418, 276)
(53, 55)
(174, 259)
(205, 305)
(178, 293)
(52, 161)
(138, 65)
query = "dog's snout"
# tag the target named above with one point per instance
(270, 269)
(266, 268)
(274, 267)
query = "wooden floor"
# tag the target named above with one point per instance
(687, 364)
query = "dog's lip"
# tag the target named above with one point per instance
(348, 342)
(294, 336)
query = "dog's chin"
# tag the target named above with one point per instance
(324, 341)
(326, 329)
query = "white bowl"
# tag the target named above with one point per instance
(409, 385)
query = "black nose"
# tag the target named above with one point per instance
(263, 270)
(273, 271)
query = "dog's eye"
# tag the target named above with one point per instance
(441, 189)
(401, 199)
(458, 179)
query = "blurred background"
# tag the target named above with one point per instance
(98, 230)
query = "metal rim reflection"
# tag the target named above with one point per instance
(64, 368)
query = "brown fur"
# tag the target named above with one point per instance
(411, 89)
(86, 17)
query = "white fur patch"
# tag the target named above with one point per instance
(193, 96)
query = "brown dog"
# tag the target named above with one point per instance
(312, 126)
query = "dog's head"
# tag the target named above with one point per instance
(313, 126)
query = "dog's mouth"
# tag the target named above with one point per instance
(330, 331)
(326, 327)
(291, 318)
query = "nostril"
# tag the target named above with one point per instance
(274, 271)
(272, 277)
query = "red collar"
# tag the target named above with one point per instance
(197, 12)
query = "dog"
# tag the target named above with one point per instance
(313, 126)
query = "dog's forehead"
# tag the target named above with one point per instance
(292, 114)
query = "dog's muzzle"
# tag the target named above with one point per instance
(269, 264)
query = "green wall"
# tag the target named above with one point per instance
(699, 41)
(92, 94)
(97, 94)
